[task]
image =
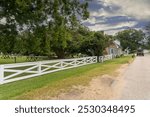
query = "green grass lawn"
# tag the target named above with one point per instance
(12, 60)
(49, 85)
(19, 59)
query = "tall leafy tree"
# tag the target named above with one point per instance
(78, 36)
(60, 39)
(15, 16)
(148, 36)
(66, 15)
(58, 15)
(132, 39)
(96, 44)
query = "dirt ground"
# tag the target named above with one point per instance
(100, 88)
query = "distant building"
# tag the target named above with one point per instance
(114, 48)
(126, 51)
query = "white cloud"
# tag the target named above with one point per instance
(101, 12)
(139, 9)
(111, 29)
(113, 32)
(113, 26)
(91, 20)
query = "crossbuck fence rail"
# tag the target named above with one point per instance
(19, 71)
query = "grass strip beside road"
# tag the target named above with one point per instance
(49, 85)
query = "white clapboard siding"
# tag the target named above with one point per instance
(19, 71)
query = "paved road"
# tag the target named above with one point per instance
(137, 80)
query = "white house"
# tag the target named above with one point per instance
(114, 48)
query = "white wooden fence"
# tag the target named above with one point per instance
(19, 71)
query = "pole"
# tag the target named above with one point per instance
(1, 74)
(15, 59)
(39, 67)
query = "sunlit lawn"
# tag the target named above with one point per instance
(12, 60)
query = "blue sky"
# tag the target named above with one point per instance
(112, 16)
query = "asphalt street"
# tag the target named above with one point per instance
(137, 80)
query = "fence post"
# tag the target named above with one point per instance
(1, 74)
(39, 67)
(85, 60)
(102, 58)
(111, 56)
(92, 59)
(61, 64)
(75, 62)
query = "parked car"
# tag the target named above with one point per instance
(140, 52)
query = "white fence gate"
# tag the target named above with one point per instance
(20, 71)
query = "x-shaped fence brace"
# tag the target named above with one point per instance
(20, 71)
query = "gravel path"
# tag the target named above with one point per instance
(137, 80)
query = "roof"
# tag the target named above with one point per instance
(117, 43)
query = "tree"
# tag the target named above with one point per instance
(7, 38)
(57, 16)
(132, 39)
(60, 39)
(17, 14)
(78, 36)
(96, 44)
(32, 44)
(64, 21)
(19, 47)
(42, 33)
(148, 36)
(148, 42)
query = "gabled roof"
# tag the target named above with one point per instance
(117, 43)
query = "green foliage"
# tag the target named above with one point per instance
(148, 36)
(148, 42)
(95, 44)
(76, 42)
(19, 47)
(39, 27)
(60, 39)
(19, 59)
(132, 39)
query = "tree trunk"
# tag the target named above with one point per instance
(98, 59)
(60, 54)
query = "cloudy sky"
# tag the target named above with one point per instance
(112, 16)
